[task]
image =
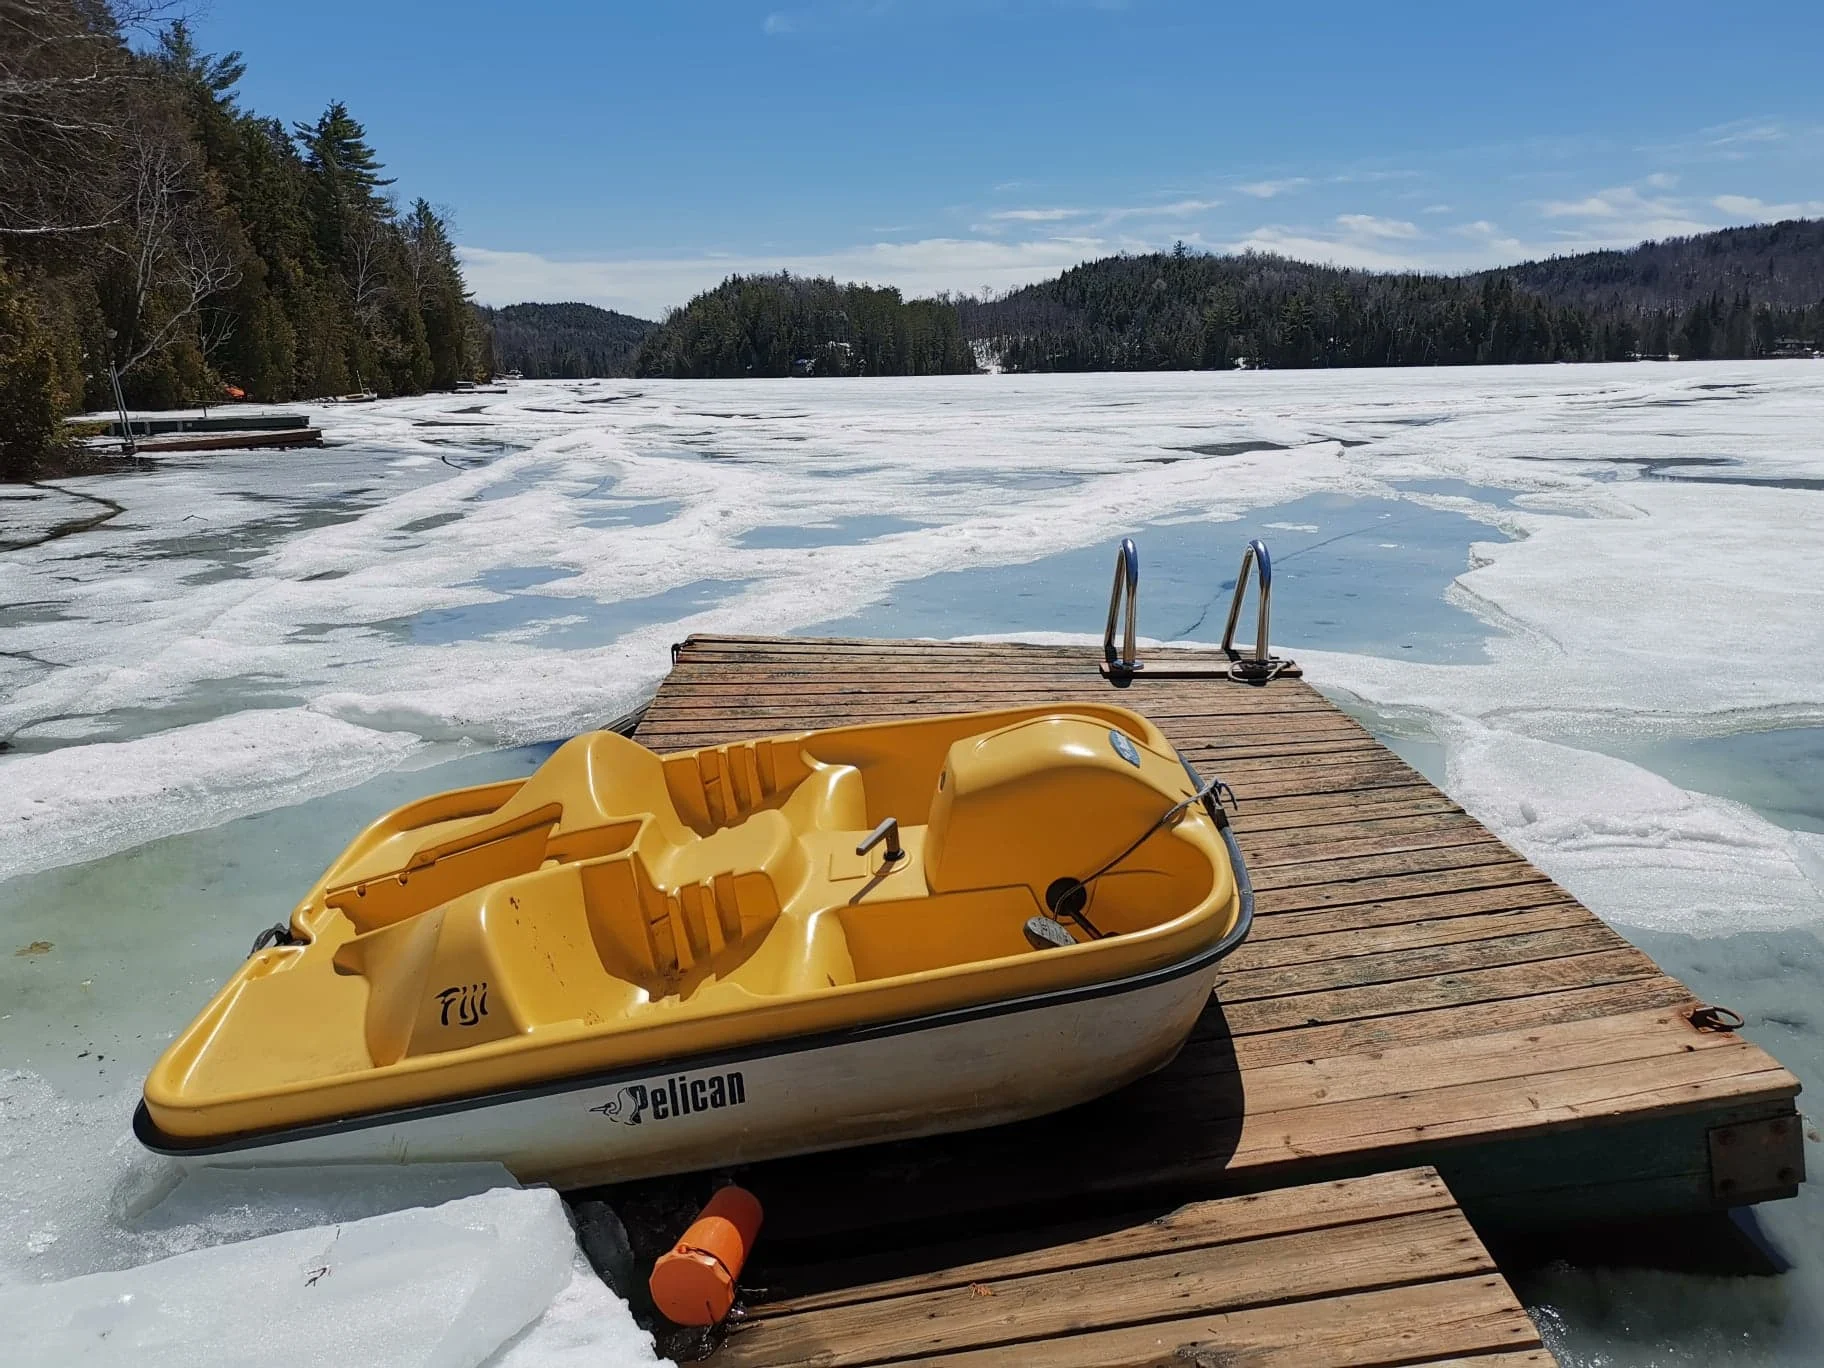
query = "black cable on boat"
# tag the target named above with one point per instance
(278, 934)
(1068, 897)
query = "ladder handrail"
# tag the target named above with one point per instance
(1127, 578)
(1256, 558)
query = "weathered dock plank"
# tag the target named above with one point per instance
(1414, 991)
(1379, 1270)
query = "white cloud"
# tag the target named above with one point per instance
(1483, 245)
(1436, 209)
(1176, 209)
(1661, 180)
(1491, 239)
(1268, 189)
(779, 22)
(1737, 141)
(1594, 207)
(1748, 207)
(1746, 131)
(1096, 220)
(1184, 208)
(647, 286)
(1373, 177)
(1621, 215)
(1304, 245)
(1368, 225)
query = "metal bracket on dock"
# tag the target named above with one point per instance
(1248, 664)
(1756, 1161)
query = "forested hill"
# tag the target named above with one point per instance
(1778, 264)
(149, 220)
(1741, 293)
(796, 325)
(564, 341)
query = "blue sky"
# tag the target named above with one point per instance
(633, 154)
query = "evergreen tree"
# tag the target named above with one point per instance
(336, 149)
(212, 77)
(30, 400)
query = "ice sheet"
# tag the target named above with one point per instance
(234, 584)
(585, 1326)
(110, 1255)
(241, 637)
(1625, 840)
(79, 1196)
(82, 801)
(442, 1287)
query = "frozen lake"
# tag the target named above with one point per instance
(1587, 600)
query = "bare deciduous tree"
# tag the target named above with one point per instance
(63, 80)
(364, 247)
(214, 330)
(175, 255)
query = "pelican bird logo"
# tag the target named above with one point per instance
(627, 1106)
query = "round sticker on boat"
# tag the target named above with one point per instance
(1124, 748)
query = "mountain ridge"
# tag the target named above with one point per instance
(1750, 291)
(1741, 292)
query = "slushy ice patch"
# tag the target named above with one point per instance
(108, 1255)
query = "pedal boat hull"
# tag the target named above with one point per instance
(1041, 1029)
(955, 1071)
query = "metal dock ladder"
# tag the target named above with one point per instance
(1254, 664)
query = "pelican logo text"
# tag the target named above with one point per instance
(678, 1096)
(467, 1003)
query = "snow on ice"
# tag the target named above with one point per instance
(1629, 560)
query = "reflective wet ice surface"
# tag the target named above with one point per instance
(1350, 573)
(135, 943)
(1778, 772)
(1516, 577)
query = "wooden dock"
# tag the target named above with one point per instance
(232, 441)
(1413, 992)
(1382, 1270)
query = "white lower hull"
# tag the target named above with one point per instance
(892, 1084)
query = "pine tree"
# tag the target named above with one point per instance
(336, 149)
(215, 77)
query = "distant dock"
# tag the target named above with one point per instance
(189, 432)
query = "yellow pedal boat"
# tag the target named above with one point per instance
(630, 964)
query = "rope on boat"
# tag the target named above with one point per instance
(277, 934)
(1068, 897)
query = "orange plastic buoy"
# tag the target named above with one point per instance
(694, 1282)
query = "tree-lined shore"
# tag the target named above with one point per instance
(1741, 293)
(154, 228)
(150, 222)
